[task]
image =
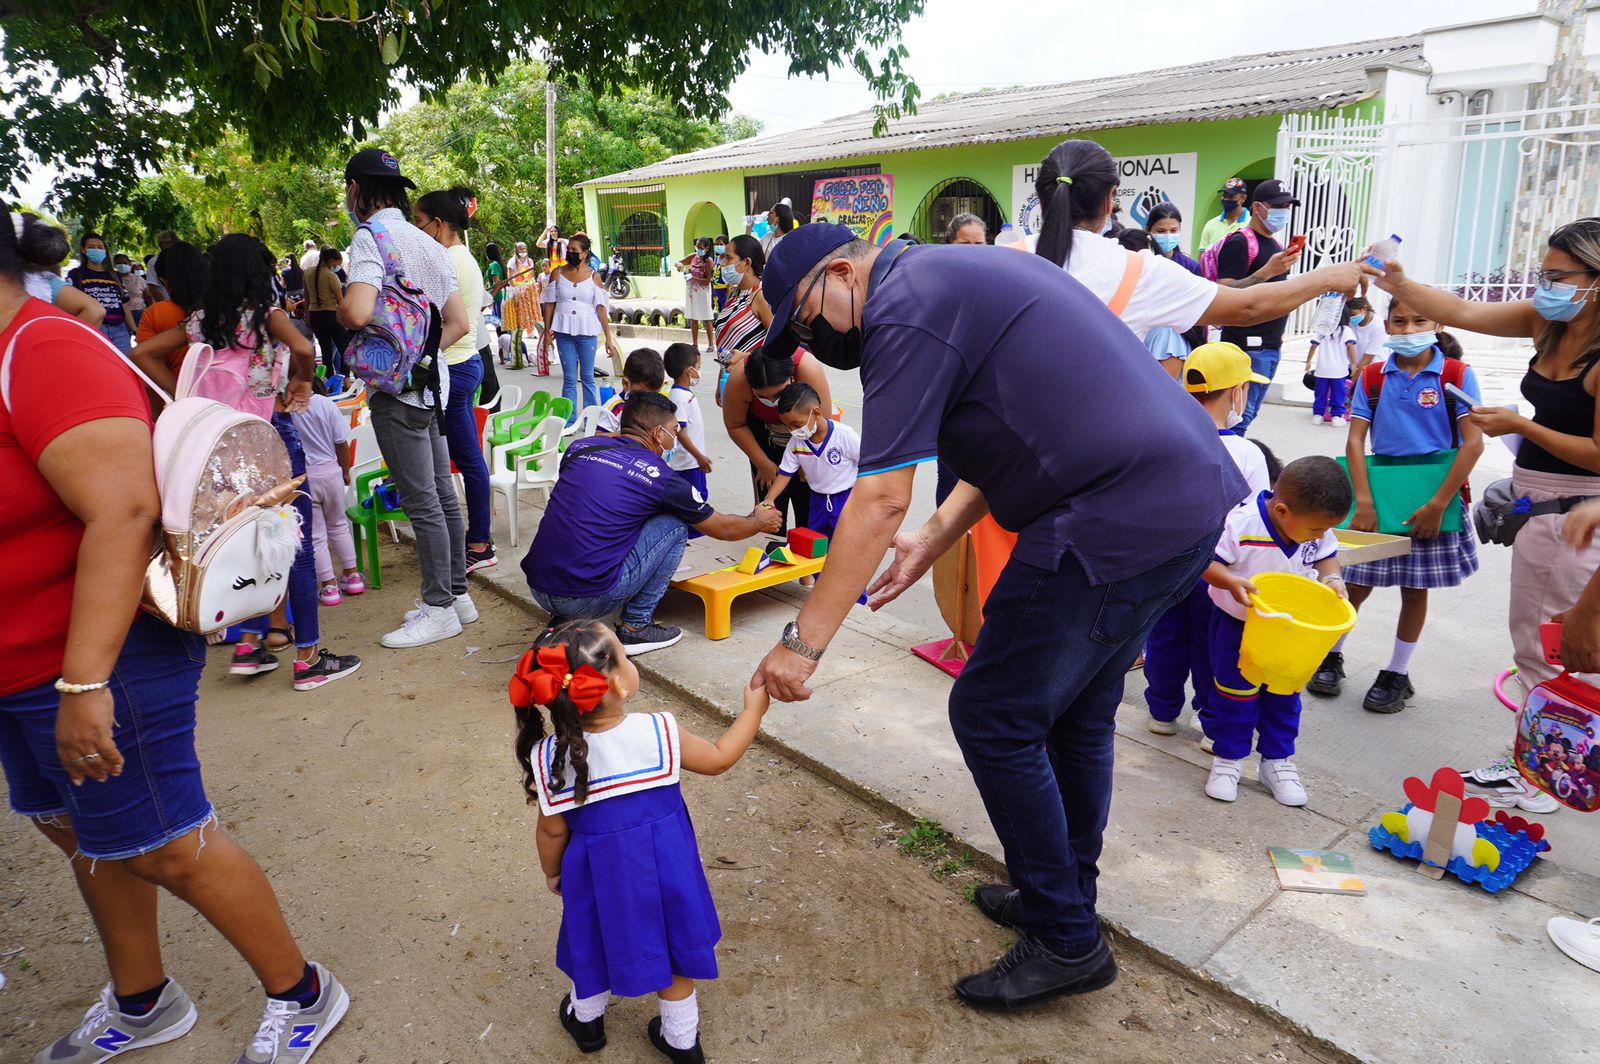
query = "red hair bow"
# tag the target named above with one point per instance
(543, 673)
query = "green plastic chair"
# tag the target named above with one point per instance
(500, 425)
(364, 522)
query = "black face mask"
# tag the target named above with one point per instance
(835, 349)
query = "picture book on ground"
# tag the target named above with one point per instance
(1318, 871)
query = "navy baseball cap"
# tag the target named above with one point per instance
(795, 256)
(375, 162)
(1274, 193)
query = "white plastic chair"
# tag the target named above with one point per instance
(588, 421)
(536, 470)
(510, 397)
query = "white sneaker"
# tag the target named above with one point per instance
(1224, 782)
(466, 612)
(1162, 727)
(1502, 786)
(1280, 777)
(423, 625)
(1340, 421)
(1578, 939)
(1207, 744)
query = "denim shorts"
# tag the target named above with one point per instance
(159, 796)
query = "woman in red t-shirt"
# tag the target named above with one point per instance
(108, 690)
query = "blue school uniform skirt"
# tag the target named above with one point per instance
(1444, 561)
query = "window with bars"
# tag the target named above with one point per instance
(762, 191)
(634, 225)
(948, 200)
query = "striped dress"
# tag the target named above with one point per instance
(738, 328)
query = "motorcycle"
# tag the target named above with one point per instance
(616, 280)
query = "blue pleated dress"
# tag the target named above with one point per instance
(636, 908)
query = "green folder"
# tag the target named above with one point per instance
(1402, 484)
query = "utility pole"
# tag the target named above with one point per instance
(549, 152)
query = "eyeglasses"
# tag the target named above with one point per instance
(1546, 279)
(802, 330)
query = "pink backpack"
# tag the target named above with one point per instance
(225, 375)
(1208, 257)
(228, 532)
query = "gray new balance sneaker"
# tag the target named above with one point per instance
(107, 1033)
(289, 1034)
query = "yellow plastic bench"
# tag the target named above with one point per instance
(718, 589)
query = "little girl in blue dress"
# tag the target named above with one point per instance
(614, 836)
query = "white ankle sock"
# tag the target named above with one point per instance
(680, 1022)
(589, 1009)
(1339, 646)
(1400, 661)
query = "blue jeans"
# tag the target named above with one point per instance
(303, 574)
(1264, 360)
(1034, 713)
(119, 336)
(466, 449)
(640, 583)
(159, 796)
(577, 359)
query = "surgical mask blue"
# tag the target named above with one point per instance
(1555, 303)
(1167, 242)
(669, 454)
(720, 248)
(1407, 344)
(123, 267)
(732, 275)
(95, 255)
(1277, 219)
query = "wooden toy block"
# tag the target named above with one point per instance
(752, 562)
(807, 544)
(781, 556)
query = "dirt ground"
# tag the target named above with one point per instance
(386, 809)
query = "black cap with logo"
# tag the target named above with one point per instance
(375, 162)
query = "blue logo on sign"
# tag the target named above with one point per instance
(113, 1040)
(301, 1035)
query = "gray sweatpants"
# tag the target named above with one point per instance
(414, 450)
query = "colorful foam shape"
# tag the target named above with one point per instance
(752, 562)
(807, 544)
(1499, 855)
(781, 556)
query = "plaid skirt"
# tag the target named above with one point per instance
(1444, 561)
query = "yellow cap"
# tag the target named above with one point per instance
(1214, 367)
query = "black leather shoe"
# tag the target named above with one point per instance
(591, 1036)
(1326, 682)
(999, 903)
(693, 1055)
(1388, 692)
(1031, 973)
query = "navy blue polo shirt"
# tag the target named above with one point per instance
(1031, 390)
(608, 489)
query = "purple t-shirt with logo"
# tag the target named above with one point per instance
(608, 489)
(1031, 390)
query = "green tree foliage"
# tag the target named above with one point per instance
(102, 89)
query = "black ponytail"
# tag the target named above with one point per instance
(763, 372)
(28, 242)
(1074, 181)
(449, 206)
(586, 643)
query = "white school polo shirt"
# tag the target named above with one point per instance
(830, 463)
(691, 426)
(1251, 462)
(1251, 545)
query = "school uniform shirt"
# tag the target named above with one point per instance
(1251, 462)
(608, 489)
(1370, 335)
(1235, 264)
(322, 427)
(829, 463)
(1415, 417)
(691, 426)
(102, 286)
(1251, 545)
(1332, 358)
(611, 413)
(1166, 293)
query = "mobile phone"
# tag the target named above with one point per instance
(1550, 639)
(1461, 396)
(1297, 243)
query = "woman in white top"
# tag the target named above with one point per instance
(1077, 188)
(780, 222)
(575, 314)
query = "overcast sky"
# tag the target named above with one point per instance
(1029, 42)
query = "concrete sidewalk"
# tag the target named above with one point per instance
(1415, 971)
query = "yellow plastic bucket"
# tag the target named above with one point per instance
(1291, 625)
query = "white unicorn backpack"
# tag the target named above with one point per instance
(228, 531)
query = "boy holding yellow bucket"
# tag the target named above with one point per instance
(1287, 530)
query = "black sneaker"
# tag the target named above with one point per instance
(251, 661)
(1388, 692)
(1031, 973)
(693, 1055)
(308, 676)
(1329, 674)
(591, 1036)
(998, 902)
(653, 636)
(481, 559)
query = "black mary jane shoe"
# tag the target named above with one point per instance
(999, 903)
(693, 1055)
(1031, 973)
(590, 1037)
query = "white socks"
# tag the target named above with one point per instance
(680, 1022)
(1400, 661)
(1339, 646)
(589, 1009)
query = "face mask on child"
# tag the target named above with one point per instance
(1234, 416)
(804, 432)
(1408, 344)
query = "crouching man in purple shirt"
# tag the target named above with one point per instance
(1060, 425)
(613, 533)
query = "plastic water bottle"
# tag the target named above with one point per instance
(1383, 251)
(1330, 308)
(1011, 236)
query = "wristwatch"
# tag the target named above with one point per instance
(792, 640)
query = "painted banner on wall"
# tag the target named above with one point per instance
(1146, 180)
(865, 204)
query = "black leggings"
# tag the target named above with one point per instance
(331, 338)
(796, 498)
